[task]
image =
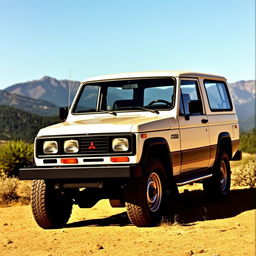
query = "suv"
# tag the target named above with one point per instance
(133, 138)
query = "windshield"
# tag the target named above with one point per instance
(133, 95)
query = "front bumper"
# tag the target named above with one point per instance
(81, 172)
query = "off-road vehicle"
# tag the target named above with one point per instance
(133, 138)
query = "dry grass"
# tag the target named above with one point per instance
(8, 189)
(244, 172)
(14, 191)
(245, 158)
(2, 142)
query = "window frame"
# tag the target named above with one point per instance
(79, 96)
(199, 95)
(227, 92)
(102, 88)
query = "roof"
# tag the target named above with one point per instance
(153, 74)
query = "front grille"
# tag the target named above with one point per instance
(94, 145)
(89, 145)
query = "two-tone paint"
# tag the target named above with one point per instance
(193, 144)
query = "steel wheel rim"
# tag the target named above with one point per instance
(223, 175)
(154, 192)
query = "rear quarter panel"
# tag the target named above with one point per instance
(219, 122)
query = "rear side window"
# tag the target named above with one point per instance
(218, 96)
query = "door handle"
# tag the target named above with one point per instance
(204, 121)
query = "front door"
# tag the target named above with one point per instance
(194, 132)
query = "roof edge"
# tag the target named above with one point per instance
(153, 74)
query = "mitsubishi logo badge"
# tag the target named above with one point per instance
(91, 145)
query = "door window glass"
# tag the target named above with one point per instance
(189, 93)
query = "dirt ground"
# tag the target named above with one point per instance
(214, 229)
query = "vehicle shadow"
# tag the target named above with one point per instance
(120, 219)
(191, 207)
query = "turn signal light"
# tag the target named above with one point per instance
(119, 159)
(69, 160)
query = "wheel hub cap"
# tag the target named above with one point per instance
(154, 192)
(223, 175)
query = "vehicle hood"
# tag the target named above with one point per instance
(109, 124)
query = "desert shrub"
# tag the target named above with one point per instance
(15, 155)
(245, 174)
(8, 189)
(24, 191)
(12, 190)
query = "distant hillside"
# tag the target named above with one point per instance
(38, 107)
(243, 93)
(17, 124)
(47, 88)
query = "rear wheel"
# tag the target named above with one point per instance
(218, 186)
(51, 207)
(146, 198)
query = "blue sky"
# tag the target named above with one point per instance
(88, 38)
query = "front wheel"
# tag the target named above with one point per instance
(146, 198)
(51, 207)
(218, 186)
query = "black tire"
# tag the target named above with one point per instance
(146, 198)
(218, 186)
(51, 208)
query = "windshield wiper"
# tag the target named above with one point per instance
(109, 112)
(146, 109)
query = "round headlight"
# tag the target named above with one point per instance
(50, 147)
(71, 146)
(120, 144)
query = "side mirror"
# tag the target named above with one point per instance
(63, 113)
(195, 107)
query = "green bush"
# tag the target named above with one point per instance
(245, 175)
(8, 189)
(248, 142)
(15, 155)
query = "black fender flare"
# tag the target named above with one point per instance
(224, 136)
(149, 146)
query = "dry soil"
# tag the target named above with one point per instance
(201, 228)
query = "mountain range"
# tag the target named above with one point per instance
(45, 95)
(47, 89)
(39, 107)
(243, 94)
